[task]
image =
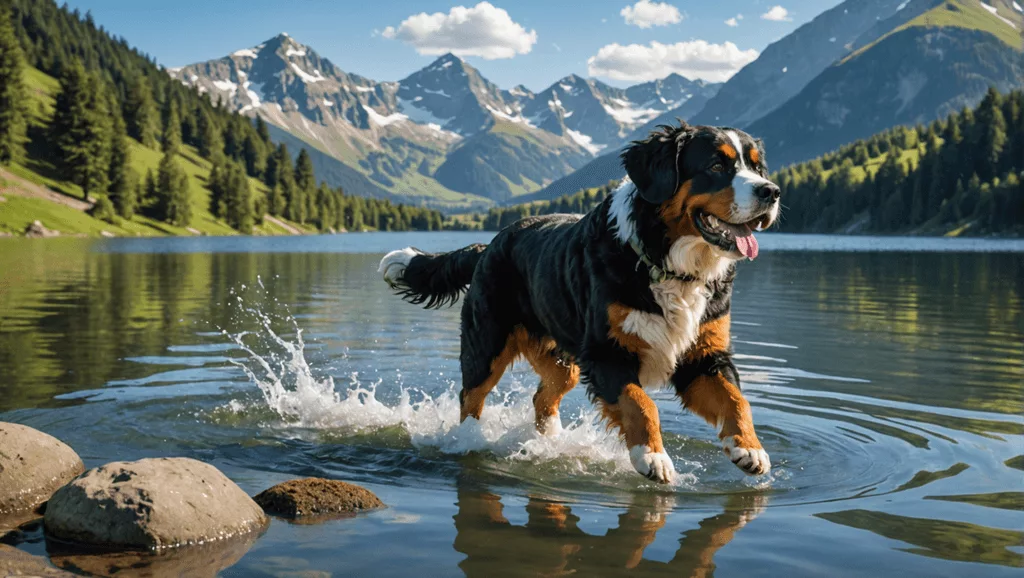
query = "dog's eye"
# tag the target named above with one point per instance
(718, 168)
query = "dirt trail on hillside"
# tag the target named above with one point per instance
(291, 230)
(15, 185)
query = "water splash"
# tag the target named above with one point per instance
(301, 399)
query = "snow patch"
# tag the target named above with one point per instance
(585, 141)
(364, 89)
(628, 115)
(382, 120)
(785, 69)
(328, 103)
(902, 6)
(254, 92)
(225, 85)
(245, 53)
(516, 119)
(1017, 7)
(441, 92)
(994, 11)
(305, 76)
(194, 77)
(420, 115)
(294, 52)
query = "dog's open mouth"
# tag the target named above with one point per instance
(732, 237)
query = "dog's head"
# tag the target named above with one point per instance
(708, 183)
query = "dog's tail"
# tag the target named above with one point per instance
(430, 279)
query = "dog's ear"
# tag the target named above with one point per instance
(653, 164)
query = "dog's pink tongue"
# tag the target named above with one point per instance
(747, 244)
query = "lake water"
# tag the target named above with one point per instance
(885, 377)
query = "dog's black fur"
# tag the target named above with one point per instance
(557, 275)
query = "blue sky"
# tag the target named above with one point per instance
(523, 42)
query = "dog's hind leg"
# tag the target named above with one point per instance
(557, 378)
(489, 346)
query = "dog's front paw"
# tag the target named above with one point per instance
(653, 465)
(549, 426)
(753, 461)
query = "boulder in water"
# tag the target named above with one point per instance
(32, 466)
(152, 503)
(316, 497)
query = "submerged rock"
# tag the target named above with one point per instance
(316, 497)
(14, 562)
(32, 466)
(152, 503)
(205, 560)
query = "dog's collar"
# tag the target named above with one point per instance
(658, 274)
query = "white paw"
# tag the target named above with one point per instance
(394, 263)
(753, 462)
(550, 426)
(656, 466)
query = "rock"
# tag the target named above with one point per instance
(194, 231)
(316, 496)
(195, 561)
(152, 503)
(14, 562)
(36, 229)
(32, 466)
(107, 234)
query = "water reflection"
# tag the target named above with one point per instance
(551, 543)
(943, 539)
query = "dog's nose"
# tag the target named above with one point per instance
(768, 192)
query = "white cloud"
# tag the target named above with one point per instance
(646, 14)
(777, 14)
(483, 30)
(734, 21)
(692, 59)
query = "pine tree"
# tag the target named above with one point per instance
(211, 143)
(123, 185)
(255, 156)
(172, 201)
(171, 140)
(263, 131)
(140, 112)
(80, 130)
(276, 204)
(305, 184)
(13, 112)
(239, 209)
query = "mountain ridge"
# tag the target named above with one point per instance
(407, 139)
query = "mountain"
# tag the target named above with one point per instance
(785, 67)
(444, 135)
(940, 61)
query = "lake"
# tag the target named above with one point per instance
(886, 377)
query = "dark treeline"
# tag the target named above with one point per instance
(579, 202)
(964, 170)
(110, 92)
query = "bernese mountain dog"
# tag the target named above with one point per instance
(634, 295)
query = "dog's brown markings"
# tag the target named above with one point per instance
(636, 418)
(729, 151)
(617, 314)
(713, 337)
(716, 400)
(556, 379)
(677, 212)
(755, 155)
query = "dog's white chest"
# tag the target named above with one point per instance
(671, 333)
